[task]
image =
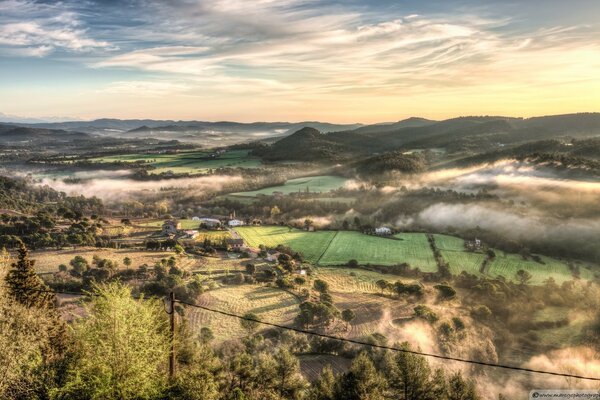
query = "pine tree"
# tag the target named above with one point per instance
(25, 286)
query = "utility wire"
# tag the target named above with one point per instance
(341, 339)
(420, 353)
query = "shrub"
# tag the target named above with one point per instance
(481, 313)
(426, 313)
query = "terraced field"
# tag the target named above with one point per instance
(271, 304)
(187, 162)
(313, 184)
(352, 280)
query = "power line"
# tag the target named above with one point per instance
(326, 336)
(420, 353)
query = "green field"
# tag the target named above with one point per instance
(187, 162)
(507, 265)
(459, 260)
(412, 248)
(446, 242)
(312, 184)
(337, 248)
(311, 244)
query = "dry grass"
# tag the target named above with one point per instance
(269, 304)
(49, 260)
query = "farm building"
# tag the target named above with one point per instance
(383, 231)
(473, 245)
(170, 227)
(272, 255)
(190, 234)
(235, 244)
(210, 222)
(235, 222)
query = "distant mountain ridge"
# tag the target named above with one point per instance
(456, 134)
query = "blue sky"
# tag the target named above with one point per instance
(342, 61)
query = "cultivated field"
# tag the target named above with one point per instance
(411, 248)
(352, 280)
(507, 265)
(311, 244)
(187, 162)
(312, 184)
(271, 304)
(337, 248)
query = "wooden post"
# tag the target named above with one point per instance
(172, 337)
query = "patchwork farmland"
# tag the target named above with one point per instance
(336, 248)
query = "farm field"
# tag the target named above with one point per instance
(459, 261)
(185, 224)
(352, 280)
(447, 242)
(314, 184)
(311, 244)
(412, 248)
(507, 265)
(337, 248)
(271, 304)
(186, 162)
(49, 260)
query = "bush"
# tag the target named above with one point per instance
(299, 280)
(426, 313)
(445, 292)
(458, 323)
(352, 263)
(481, 313)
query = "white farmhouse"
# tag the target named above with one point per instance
(235, 222)
(383, 231)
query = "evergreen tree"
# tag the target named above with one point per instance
(323, 387)
(410, 375)
(361, 382)
(25, 286)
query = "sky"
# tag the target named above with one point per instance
(289, 60)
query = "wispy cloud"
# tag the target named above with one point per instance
(35, 29)
(284, 53)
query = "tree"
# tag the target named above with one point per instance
(361, 382)
(523, 277)
(348, 315)
(178, 249)
(250, 269)
(382, 284)
(409, 375)
(321, 286)
(206, 334)
(25, 286)
(250, 324)
(460, 389)
(122, 347)
(323, 388)
(308, 223)
(127, 262)
(275, 212)
(288, 374)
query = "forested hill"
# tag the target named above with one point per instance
(17, 194)
(470, 134)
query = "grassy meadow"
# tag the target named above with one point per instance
(312, 184)
(186, 162)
